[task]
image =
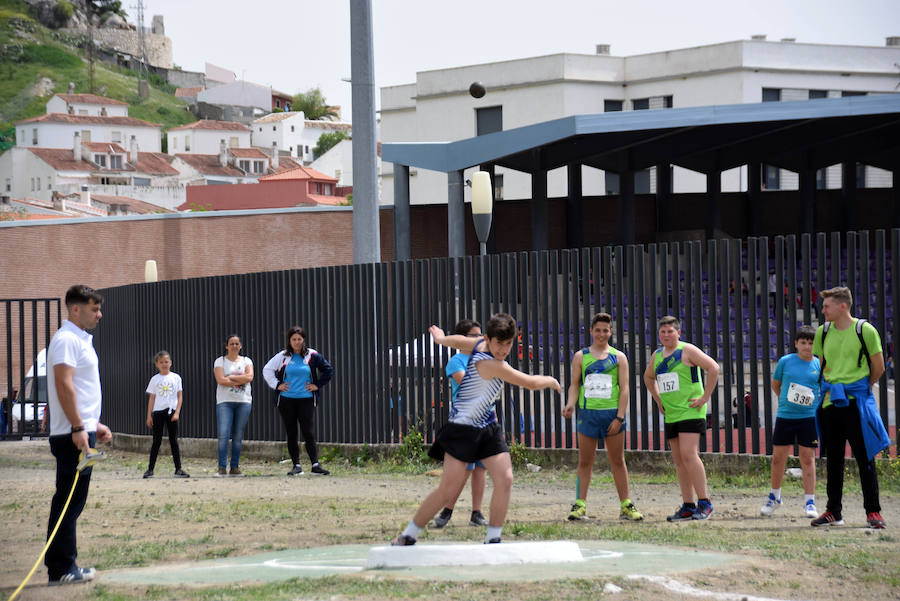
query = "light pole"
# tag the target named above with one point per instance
(482, 207)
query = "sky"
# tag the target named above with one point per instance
(295, 45)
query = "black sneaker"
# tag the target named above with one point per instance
(682, 513)
(148, 474)
(76, 576)
(493, 541)
(297, 470)
(827, 519)
(318, 470)
(443, 518)
(404, 540)
(477, 519)
(180, 473)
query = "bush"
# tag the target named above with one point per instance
(520, 455)
(412, 450)
(62, 12)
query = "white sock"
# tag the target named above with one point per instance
(412, 530)
(808, 498)
(493, 532)
(315, 464)
(776, 492)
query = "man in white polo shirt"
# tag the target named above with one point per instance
(74, 398)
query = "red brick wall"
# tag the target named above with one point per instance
(289, 193)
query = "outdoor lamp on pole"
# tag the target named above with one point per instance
(482, 206)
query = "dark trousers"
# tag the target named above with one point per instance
(302, 411)
(840, 425)
(61, 555)
(163, 420)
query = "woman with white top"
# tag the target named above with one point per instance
(233, 372)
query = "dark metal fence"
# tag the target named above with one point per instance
(371, 322)
(28, 324)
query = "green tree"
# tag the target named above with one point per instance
(327, 141)
(314, 106)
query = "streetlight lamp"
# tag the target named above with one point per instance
(482, 206)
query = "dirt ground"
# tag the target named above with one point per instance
(132, 521)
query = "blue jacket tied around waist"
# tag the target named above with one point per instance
(874, 433)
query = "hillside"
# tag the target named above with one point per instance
(36, 62)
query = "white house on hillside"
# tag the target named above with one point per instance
(438, 106)
(205, 137)
(292, 132)
(55, 130)
(238, 93)
(87, 104)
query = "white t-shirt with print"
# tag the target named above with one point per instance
(233, 394)
(166, 388)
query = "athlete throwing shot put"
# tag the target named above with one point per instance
(472, 432)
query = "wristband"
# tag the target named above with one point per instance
(621, 419)
(77, 429)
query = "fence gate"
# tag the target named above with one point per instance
(28, 324)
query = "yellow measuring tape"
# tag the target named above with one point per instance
(84, 462)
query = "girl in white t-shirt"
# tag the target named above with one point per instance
(233, 372)
(163, 409)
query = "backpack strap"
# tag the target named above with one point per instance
(825, 329)
(863, 351)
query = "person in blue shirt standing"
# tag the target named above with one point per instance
(796, 382)
(455, 370)
(297, 374)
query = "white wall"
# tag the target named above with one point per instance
(167, 196)
(58, 105)
(205, 141)
(61, 135)
(30, 177)
(238, 93)
(264, 134)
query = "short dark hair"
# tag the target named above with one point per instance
(288, 349)
(80, 294)
(669, 320)
(464, 325)
(229, 337)
(805, 333)
(160, 355)
(604, 317)
(502, 327)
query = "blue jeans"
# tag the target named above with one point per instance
(232, 419)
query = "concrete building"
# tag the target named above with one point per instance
(206, 136)
(87, 104)
(438, 106)
(291, 132)
(55, 130)
(238, 93)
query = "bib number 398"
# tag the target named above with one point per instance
(667, 383)
(800, 395)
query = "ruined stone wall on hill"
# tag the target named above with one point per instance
(159, 47)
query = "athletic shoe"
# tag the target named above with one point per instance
(682, 513)
(235, 472)
(704, 510)
(318, 470)
(180, 473)
(630, 512)
(772, 504)
(148, 474)
(477, 519)
(297, 470)
(404, 540)
(579, 511)
(443, 518)
(76, 576)
(827, 519)
(875, 521)
(810, 509)
(493, 541)
(221, 472)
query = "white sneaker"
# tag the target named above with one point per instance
(810, 509)
(771, 505)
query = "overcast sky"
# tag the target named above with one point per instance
(294, 45)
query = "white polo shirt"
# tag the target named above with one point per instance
(74, 347)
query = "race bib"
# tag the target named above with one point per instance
(800, 395)
(667, 383)
(598, 386)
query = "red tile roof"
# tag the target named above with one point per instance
(88, 120)
(276, 117)
(213, 125)
(248, 153)
(134, 205)
(323, 124)
(63, 159)
(328, 200)
(285, 164)
(154, 163)
(188, 92)
(298, 173)
(103, 147)
(208, 164)
(90, 99)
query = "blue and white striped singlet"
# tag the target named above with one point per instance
(475, 400)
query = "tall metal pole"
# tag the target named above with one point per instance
(366, 238)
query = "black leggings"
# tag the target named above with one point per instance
(162, 419)
(840, 425)
(304, 412)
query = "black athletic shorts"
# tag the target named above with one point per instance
(802, 431)
(468, 443)
(688, 426)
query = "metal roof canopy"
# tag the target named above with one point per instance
(792, 135)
